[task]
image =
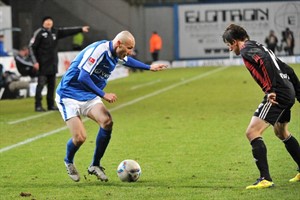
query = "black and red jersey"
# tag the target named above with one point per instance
(271, 74)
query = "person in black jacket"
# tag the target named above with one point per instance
(43, 49)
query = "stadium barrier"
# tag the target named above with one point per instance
(65, 59)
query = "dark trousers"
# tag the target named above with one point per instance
(42, 81)
(155, 55)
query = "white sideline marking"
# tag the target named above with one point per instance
(115, 108)
(32, 139)
(145, 84)
(29, 118)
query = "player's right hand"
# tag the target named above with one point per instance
(272, 98)
(110, 97)
(157, 67)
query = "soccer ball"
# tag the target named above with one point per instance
(129, 171)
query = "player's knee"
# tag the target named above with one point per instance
(280, 130)
(279, 133)
(79, 140)
(105, 121)
(108, 124)
(252, 134)
(249, 135)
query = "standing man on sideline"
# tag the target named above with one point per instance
(271, 41)
(155, 43)
(289, 40)
(43, 49)
(80, 92)
(281, 86)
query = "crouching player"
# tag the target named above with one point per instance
(81, 91)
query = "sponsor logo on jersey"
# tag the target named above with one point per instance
(284, 76)
(91, 61)
(102, 73)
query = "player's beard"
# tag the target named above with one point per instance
(237, 52)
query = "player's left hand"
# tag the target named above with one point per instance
(157, 67)
(272, 98)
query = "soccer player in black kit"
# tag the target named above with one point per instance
(281, 87)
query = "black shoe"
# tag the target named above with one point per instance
(52, 108)
(40, 109)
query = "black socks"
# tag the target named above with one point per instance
(292, 146)
(259, 152)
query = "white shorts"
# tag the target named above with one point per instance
(69, 108)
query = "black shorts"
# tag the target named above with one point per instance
(275, 113)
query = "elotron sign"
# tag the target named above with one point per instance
(200, 26)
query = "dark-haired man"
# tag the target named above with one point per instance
(43, 49)
(281, 86)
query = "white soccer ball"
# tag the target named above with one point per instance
(129, 171)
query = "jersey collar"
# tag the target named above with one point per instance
(111, 48)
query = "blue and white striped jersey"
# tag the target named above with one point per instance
(98, 60)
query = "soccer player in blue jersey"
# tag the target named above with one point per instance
(281, 87)
(81, 90)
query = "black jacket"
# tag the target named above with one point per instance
(43, 47)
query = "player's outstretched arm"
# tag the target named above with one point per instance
(157, 67)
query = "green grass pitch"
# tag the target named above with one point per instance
(185, 127)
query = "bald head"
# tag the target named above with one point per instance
(123, 44)
(125, 37)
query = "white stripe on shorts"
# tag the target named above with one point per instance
(265, 110)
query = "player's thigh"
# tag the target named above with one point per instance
(100, 114)
(256, 128)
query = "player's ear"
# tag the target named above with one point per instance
(119, 42)
(234, 42)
